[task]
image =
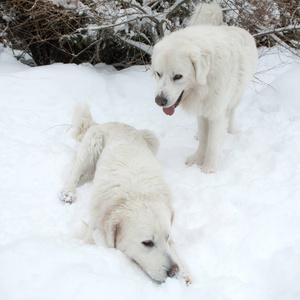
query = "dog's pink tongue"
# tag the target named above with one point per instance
(169, 111)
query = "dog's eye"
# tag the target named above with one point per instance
(149, 244)
(158, 74)
(177, 77)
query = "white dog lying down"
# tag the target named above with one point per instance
(205, 69)
(131, 204)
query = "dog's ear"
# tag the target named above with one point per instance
(172, 217)
(151, 140)
(113, 231)
(152, 71)
(201, 65)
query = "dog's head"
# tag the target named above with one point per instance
(177, 71)
(143, 234)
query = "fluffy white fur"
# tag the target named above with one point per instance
(131, 203)
(208, 67)
(207, 14)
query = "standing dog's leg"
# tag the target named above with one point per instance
(85, 161)
(198, 157)
(216, 133)
(231, 128)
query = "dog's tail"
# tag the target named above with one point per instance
(207, 13)
(151, 140)
(82, 121)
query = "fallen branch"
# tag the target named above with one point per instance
(277, 30)
(284, 45)
(139, 45)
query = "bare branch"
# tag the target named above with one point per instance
(277, 30)
(284, 45)
(139, 45)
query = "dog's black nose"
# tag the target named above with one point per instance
(161, 100)
(173, 271)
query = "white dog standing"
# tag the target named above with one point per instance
(131, 203)
(205, 69)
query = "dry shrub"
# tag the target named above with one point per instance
(271, 22)
(49, 32)
(113, 32)
(123, 32)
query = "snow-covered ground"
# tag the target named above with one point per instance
(237, 231)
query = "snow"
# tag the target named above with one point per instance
(237, 231)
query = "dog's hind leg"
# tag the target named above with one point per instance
(84, 163)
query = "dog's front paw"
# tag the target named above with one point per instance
(194, 159)
(67, 197)
(233, 130)
(208, 167)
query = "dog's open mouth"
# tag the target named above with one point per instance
(170, 110)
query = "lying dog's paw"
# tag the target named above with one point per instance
(67, 197)
(188, 280)
(186, 277)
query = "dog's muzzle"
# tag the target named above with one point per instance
(161, 100)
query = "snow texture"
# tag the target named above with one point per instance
(237, 231)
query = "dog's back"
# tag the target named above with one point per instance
(82, 120)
